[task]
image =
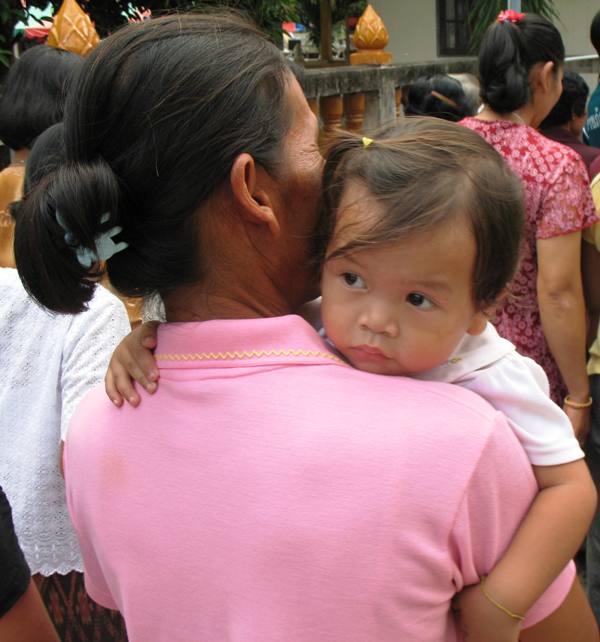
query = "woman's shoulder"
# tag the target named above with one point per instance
(504, 135)
(559, 152)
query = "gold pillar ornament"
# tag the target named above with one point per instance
(73, 30)
(370, 38)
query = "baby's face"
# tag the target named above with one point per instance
(402, 308)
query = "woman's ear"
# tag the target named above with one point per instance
(545, 75)
(251, 196)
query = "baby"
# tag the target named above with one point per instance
(420, 235)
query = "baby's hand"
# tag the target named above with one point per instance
(481, 621)
(133, 358)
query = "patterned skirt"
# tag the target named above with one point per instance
(75, 615)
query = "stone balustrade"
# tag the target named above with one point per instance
(363, 97)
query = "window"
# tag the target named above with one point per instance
(453, 27)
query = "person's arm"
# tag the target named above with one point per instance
(572, 621)
(547, 539)
(559, 517)
(497, 501)
(131, 361)
(28, 620)
(23, 617)
(562, 312)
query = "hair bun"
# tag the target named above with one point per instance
(508, 52)
(509, 91)
(59, 223)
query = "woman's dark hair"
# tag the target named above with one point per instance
(571, 103)
(47, 153)
(507, 54)
(440, 96)
(595, 32)
(424, 172)
(33, 95)
(159, 113)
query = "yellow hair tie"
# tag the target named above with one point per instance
(366, 141)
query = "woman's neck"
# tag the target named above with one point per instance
(522, 116)
(196, 302)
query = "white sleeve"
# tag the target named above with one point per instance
(92, 337)
(518, 387)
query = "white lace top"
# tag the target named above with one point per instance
(47, 363)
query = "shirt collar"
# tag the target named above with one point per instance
(237, 343)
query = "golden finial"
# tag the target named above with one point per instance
(73, 30)
(370, 38)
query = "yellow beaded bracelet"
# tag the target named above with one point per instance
(577, 404)
(514, 616)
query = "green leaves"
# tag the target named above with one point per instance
(109, 14)
(483, 12)
(309, 13)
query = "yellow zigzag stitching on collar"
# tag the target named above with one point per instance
(246, 354)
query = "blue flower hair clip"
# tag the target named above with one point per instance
(104, 246)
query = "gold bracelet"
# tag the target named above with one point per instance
(578, 404)
(514, 616)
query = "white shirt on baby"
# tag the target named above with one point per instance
(490, 366)
(516, 385)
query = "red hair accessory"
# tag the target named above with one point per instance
(510, 15)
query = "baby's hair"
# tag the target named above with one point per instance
(424, 172)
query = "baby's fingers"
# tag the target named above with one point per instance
(111, 389)
(133, 359)
(148, 333)
(118, 382)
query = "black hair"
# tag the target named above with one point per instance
(508, 52)
(595, 32)
(571, 103)
(440, 96)
(152, 127)
(47, 153)
(423, 172)
(33, 95)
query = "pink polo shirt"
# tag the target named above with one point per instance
(270, 493)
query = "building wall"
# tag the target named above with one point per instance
(574, 24)
(413, 27)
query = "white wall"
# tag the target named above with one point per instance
(574, 24)
(413, 27)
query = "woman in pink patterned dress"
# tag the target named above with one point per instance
(521, 68)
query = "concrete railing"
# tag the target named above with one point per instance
(362, 97)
